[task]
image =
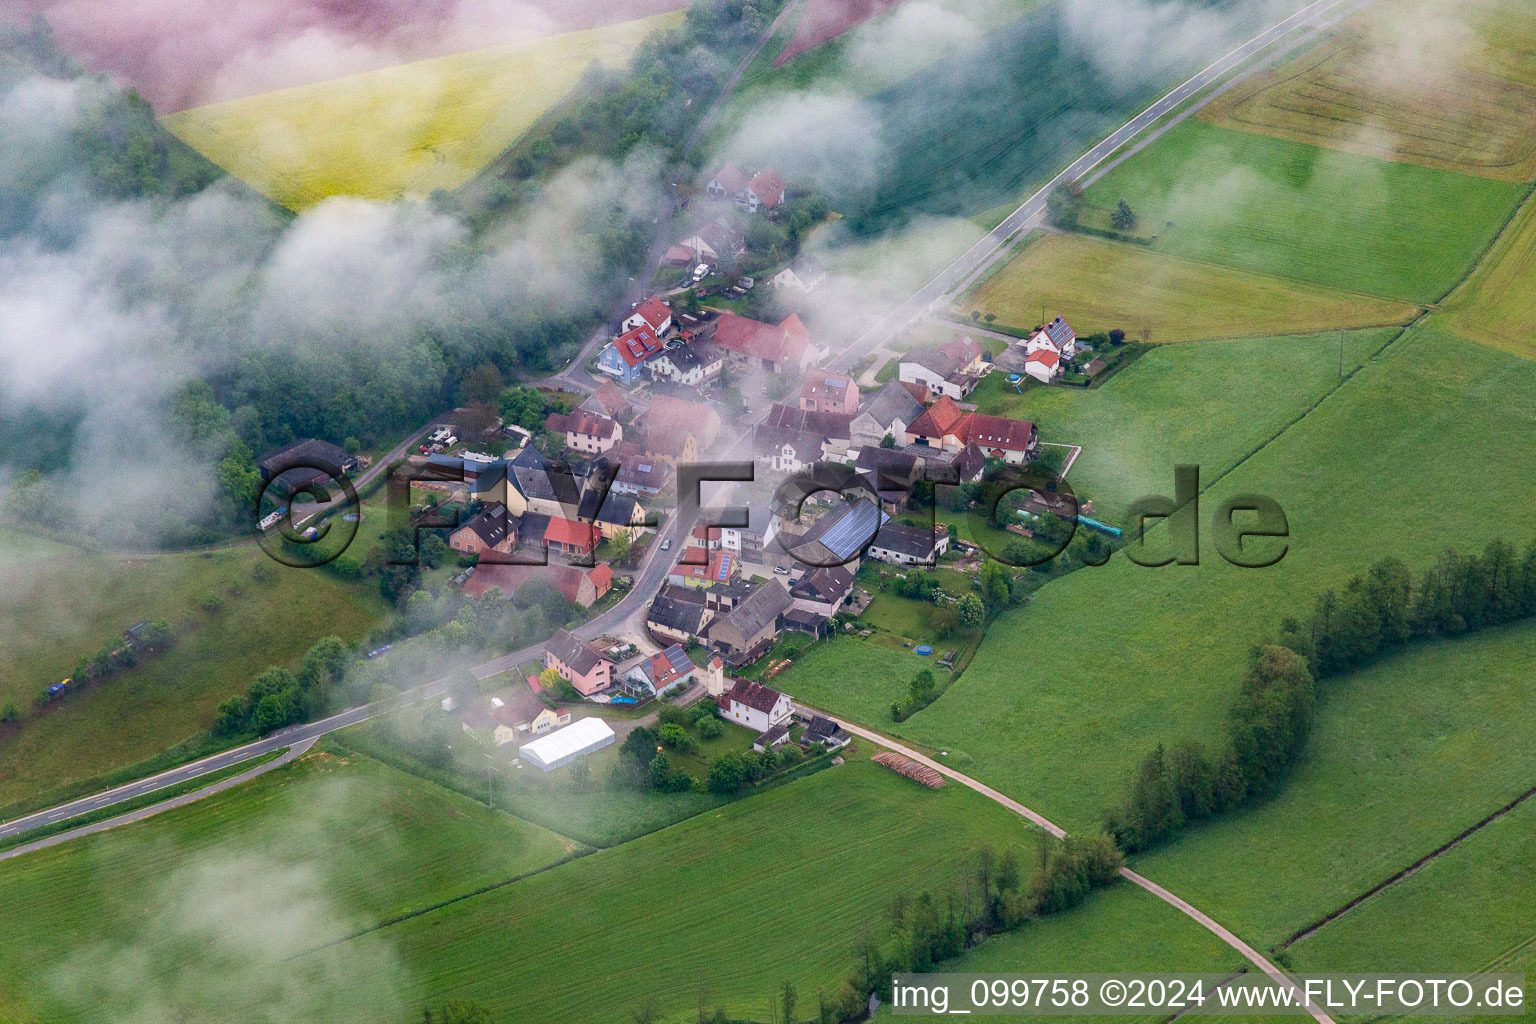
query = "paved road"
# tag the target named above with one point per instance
(1043, 822)
(974, 258)
(296, 750)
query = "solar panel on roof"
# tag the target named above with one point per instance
(854, 530)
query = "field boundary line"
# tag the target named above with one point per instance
(1410, 870)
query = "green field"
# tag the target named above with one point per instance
(1069, 691)
(410, 129)
(193, 914)
(54, 619)
(1497, 304)
(1120, 929)
(1206, 403)
(1404, 755)
(777, 886)
(1471, 909)
(852, 678)
(1257, 203)
(1461, 106)
(1100, 285)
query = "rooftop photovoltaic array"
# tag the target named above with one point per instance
(855, 529)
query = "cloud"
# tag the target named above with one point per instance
(830, 140)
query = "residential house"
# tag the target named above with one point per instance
(829, 392)
(586, 431)
(491, 529)
(624, 357)
(578, 661)
(518, 717)
(764, 192)
(677, 430)
(1056, 336)
(678, 613)
(576, 584)
(659, 674)
(951, 369)
(653, 312)
(755, 706)
(888, 411)
(619, 514)
(718, 567)
(726, 183)
(687, 364)
(607, 400)
(944, 425)
(774, 347)
(534, 484)
(802, 275)
(1044, 365)
(907, 545)
(746, 631)
(824, 731)
(834, 427)
(786, 450)
(572, 537)
(823, 591)
(639, 475)
(720, 241)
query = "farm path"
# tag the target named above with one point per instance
(293, 753)
(1041, 821)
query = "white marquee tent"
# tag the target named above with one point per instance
(565, 745)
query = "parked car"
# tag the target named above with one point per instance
(780, 570)
(666, 545)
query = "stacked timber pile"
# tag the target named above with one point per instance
(904, 765)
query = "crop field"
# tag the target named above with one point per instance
(1471, 909)
(1268, 205)
(688, 903)
(192, 914)
(1497, 304)
(1462, 103)
(1102, 285)
(853, 679)
(1206, 404)
(1403, 756)
(274, 617)
(1157, 654)
(409, 129)
(1120, 929)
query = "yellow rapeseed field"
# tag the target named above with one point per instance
(409, 129)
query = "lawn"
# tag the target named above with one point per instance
(193, 914)
(1497, 304)
(1472, 909)
(1404, 755)
(51, 619)
(1257, 203)
(1122, 929)
(1100, 285)
(1055, 712)
(1462, 107)
(853, 679)
(1208, 404)
(410, 129)
(775, 887)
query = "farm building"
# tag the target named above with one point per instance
(749, 628)
(304, 463)
(563, 746)
(888, 412)
(907, 545)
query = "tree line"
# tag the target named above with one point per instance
(1375, 614)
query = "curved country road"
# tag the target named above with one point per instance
(1183, 906)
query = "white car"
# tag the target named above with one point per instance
(780, 570)
(666, 545)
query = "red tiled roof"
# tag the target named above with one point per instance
(570, 533)
(767, 186)
(582, 422)
(564, 578)
(671, 419)
(754, 695)
(1050, 357)
(997, 432)
(653, 311)
(940, 418)
(757, 340)
(637, 345)
(731, 178)
(601, 576)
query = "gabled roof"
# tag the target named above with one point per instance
(573, 651)
(538, 478)
(697, 355)
(582, 421)
(827, 584)
(757, 340)
(767, 186)
(962, 349)
(758, 609)
(891, 403)
(826, 386)
(769, 441)
(730, 177)
(679, 608)
(638, 471)
(607, 399)
(822, 728)
(827, 424)
(664, 668)
(754, 695)
(653, 311)
(1058, 331)
(911, 541)
(618, 509)
(1044, 356)
(490, 524)
(994, 432)
(841, 533)
(637, 345)
(932, 358)
(942, 417)
(669, 420)
(571, 533)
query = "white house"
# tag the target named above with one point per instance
(952, 369)
(1043, 365)
(802, 275)
(755, 706)
(652, 313)
(1056, 336)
